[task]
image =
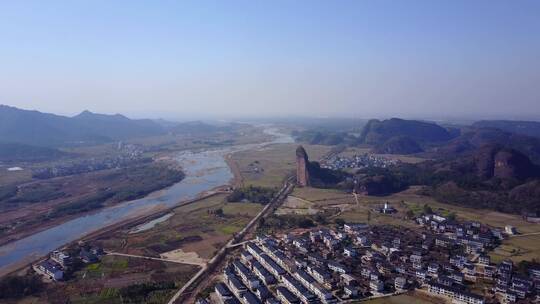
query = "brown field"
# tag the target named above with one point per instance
(270, 165)
(179, 142)
(315, 194)
(409, 298)
(518, 248)
(13, 177)
(102, 282)
(296, 205)
(350, 210)
(488, 217)
(192, 228)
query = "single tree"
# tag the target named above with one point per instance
(339, 222)
(427, 209)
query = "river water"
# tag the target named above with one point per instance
(204, 171)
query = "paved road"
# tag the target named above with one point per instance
(283, 192)
(525, 234)
(238, 244)
(181, 290)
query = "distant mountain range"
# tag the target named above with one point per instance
(491, 176)
(21, 152)
(50, 130)
(391, 136)
(377, 132)
(400, 136)
(473, 138)
(529, 128)
(197, 128)
(489, 164)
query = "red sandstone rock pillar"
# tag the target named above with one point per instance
(302, 161)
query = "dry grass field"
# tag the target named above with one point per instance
(269, 166)
(178, 142)
(192, 228)
(116, 280)
(488, 217)
(315, 194)
(518, 248)
(352, 211)
(409, 298)
(104, 281)
(296, 205)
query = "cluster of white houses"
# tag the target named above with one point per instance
(54, 267)
(357, 261)
(263, 264)
(358, 161)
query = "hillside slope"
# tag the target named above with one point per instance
(377, 132)
(529, 128)
(44, 129)
(22, 152)
(474, 138)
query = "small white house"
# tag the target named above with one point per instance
(511, 230)
(50, 270)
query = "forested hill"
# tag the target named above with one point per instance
(377, 132)
(21, 152)
(493, 177)
(530, 128)
(474, 138)
(392, 136)
(44, 129)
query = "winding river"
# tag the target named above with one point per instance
(204, 171)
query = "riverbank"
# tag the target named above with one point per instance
(126, 224)
(238, 180)
(205, 170)
(82, 195)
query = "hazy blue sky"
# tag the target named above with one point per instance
(233, 58)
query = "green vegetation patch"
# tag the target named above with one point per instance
(255, 194)
(7, 192)
(275, 223)
(35, 193)
(229, 229)
(246, 209)
(15, 287)
(518, 248)
(93, 267)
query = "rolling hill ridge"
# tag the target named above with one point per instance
(50, 130)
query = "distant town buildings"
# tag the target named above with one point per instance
(87, 165)
(358, 161)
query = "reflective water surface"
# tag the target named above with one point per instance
(204, 171)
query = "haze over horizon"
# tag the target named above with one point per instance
(412, 59)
